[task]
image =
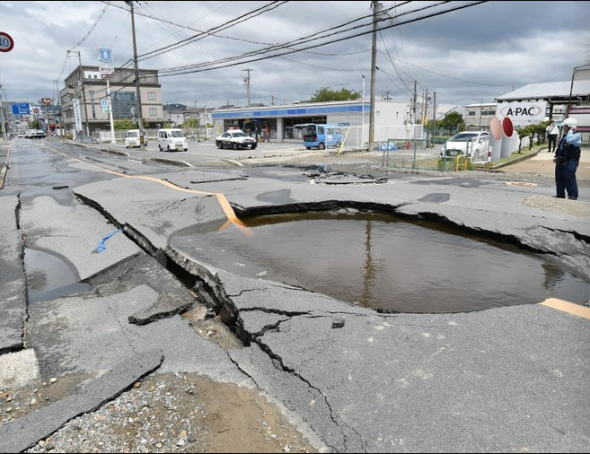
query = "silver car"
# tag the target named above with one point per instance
(475, 144)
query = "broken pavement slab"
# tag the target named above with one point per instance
(18, 435)
(426, 383)
(89, 335)
(166, 306)
(73, 232)
(155, 209)
(142, 269)
(13, 292)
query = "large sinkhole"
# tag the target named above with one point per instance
(378, 261)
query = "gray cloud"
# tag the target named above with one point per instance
(466, 56)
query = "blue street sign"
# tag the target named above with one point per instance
(105, 54)
(22, 108)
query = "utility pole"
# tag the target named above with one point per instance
(83, 89)
(4, 136)
(111, 121)
(247, 82)
(414, 102)
(434, 117)
(137, 82)
(363, 115)
(376, 7)
(62, 130)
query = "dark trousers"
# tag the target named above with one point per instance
(552, 142)
(565, 178)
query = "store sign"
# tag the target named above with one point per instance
(522, 113)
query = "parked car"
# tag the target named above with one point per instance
(132, 139)
(172, 139)
(235, 138)
(476, 143)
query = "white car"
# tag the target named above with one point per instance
(171, 140)
(236, 139)
(477, 144)
(132, 139)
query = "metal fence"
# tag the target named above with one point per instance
(195, 134)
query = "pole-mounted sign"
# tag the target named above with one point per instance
(6, 42)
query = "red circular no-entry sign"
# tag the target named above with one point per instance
(6, 42)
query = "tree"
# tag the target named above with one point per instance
(128, 124)
(451, 124)
(452, 120)
(326, 95)
(191, 123)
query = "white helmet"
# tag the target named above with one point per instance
(571, 123)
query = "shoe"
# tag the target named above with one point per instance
(573, 198)
(558, 197)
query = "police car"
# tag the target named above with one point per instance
(236, 139)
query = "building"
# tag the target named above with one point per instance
(84, 99)
(393, 120)
(563, 98)
(479, 116)
(177, 114)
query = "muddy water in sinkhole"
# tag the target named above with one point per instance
(380, 262)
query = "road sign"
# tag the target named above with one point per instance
(105, 54)
(6, 42)
(22, 108)
(107, 73)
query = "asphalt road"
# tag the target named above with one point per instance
(502, 380)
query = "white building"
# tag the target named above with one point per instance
(393, 120)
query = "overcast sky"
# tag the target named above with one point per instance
(466, 56)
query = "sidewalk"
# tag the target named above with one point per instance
(4, 159)
(542, 164)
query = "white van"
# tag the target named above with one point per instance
(172, 139)
(132, 139)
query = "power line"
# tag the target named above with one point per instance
(251, 56)
(238, 20)
(93, 26)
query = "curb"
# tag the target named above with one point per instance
(517, 160)
(3, 173)
(171, 162)
(116, 152)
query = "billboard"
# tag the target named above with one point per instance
(522, 113)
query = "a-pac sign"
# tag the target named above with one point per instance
(6, 42)
(522, 113)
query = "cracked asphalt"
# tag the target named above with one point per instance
(347, 378)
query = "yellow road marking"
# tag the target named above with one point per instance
(570, 308)
(223, 202)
